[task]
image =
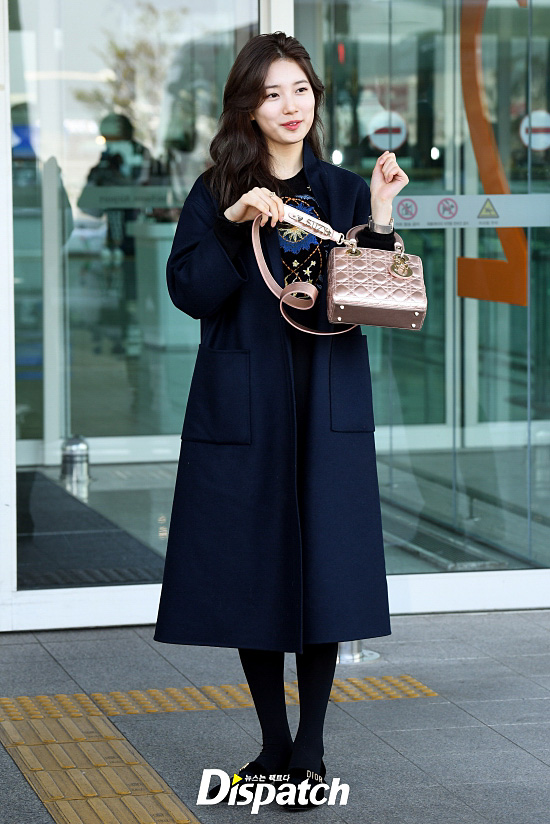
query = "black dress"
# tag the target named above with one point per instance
(304, 258)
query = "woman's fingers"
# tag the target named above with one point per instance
(276, 205)
(280, 206)
(266, 203)
(389, 165)
(257, 200)
(270, 201)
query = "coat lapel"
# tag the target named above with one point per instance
(328, 191)
(317, 180)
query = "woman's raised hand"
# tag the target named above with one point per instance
(258, 201)
(388, 178)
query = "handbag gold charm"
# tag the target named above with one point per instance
(400, 265)
(352, 249)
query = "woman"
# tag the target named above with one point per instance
(275, 539)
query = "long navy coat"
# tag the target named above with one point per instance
(245, 566)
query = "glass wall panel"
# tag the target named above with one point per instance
(113, 108)
(463, 407)
(114, 105)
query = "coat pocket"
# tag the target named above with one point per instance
(351, 407)
(218, 406)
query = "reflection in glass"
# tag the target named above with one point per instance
(113, 109)
(453, 405)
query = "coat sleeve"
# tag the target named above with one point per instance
(199, 272)
(365, 237)
(232, 235)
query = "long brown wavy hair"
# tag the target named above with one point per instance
(239, 149)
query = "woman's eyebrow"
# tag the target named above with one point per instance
(276, 86)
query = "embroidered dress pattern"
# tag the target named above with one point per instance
(303, 255)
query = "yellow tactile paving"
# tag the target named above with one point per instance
(239, 694)
(388, 686)
(157, 809)
(58, 730)
(67, 709)
(71, 755)
(53, 785)
(219, 697)
(86, 772)
(291, 693)
(82, 767)
(47, 706)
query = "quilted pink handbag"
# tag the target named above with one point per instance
(374, 287)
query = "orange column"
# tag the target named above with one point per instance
(487, 279)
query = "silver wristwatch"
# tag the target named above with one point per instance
(382, 228)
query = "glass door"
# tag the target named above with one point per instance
(463, 407)
(113, 106)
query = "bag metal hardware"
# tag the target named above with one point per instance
(400, 264)
(352, 249)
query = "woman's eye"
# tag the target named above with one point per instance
(272, 94)
(303, 89)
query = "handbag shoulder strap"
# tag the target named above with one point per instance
(286, 294)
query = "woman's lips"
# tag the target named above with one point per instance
(292, 125)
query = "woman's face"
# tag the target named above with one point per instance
(287, 112)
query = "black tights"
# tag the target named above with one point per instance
(264, 672)
(316, 664)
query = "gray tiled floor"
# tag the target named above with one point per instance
(477, 752)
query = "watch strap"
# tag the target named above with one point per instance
(381, 228)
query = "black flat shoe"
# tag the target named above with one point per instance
(299, 774)
(250, 771)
